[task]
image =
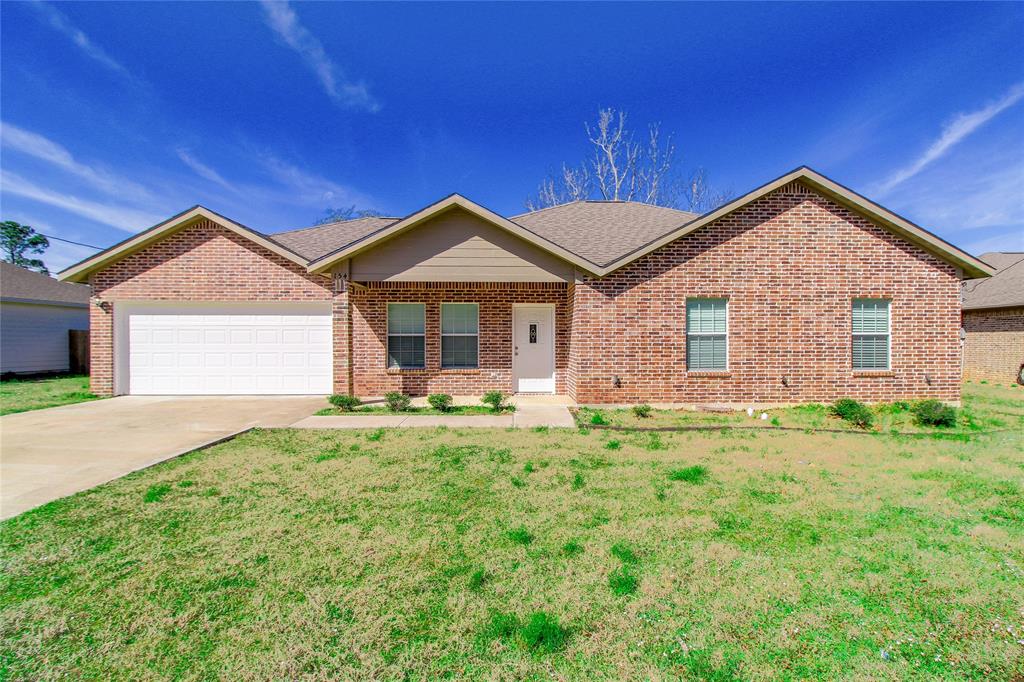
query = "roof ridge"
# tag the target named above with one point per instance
(604, 201)
(546, 208)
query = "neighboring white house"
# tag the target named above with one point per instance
(36, 313)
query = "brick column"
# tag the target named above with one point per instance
(101, 348)
(341, 322)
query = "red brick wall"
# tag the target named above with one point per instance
(790, 265)
(202, 262)
(370, 374)
(994, 346)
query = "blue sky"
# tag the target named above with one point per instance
(117, 115)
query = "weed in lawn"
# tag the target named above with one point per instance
(543, 633)
(518, 482)
(695, 474)
(376, 436)
(623, 581)
(540, 429)
(572, 548)
(520, 535)
(156, 492)
(612, 444)
(624, 553)
(186, 484)
(598, 419)
(529, 468)
(654, 442)
(477, 579)
(502, 626)
(578, 481)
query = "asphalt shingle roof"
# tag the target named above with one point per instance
(603, 231)
(19, 284)
(1001, 290)
(313, 242)
(599, 231)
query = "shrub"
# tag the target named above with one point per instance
(934, 413)
(543, 632)
(695, 474)
(642, 411)
(397, 402)
(496, 399)
(855, 412)
(345, 403)
(442, 402)
(597, 419)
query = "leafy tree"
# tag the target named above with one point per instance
(336, 215)
(17, 240)
(621, 168)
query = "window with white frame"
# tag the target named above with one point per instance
(460, 335)
(406, 336)
(871, 334)
(707, 334)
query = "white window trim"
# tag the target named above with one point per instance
(686, 322)
(477, 335)
(388, 334)
(888, 336)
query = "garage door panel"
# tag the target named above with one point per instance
(177, 352)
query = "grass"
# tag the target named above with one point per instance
(410, 554)
(382, 409)
(22, 395)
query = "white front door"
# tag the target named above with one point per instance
(533, 349)
(211, 349)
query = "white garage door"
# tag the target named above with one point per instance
(228, 350)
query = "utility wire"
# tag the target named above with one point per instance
(61, 239)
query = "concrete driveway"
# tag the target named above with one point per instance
(48, 454)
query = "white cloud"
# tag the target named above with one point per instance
(59, 22)
(47, 150)
(127, 219)
(201, 169)
(959, 128)
(282, 19)
(302, 187)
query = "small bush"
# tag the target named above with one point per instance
(543, 632)
(695, 474)
(642, 411)
(623, 581)
(496, 399)
(345, 403)
(520, 536)
(934, 413)
(597, 419)
(397, 402)
(855, 412)
(442, 402)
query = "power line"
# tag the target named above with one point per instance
(61, 239)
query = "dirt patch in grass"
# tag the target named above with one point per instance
(411, 553)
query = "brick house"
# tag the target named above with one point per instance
(799, 290)
(993, 321)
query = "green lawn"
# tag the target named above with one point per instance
(573, 554)
(22, 395)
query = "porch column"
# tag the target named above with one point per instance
(341, 324)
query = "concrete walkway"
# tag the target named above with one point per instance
(527, 415)
(48, 454)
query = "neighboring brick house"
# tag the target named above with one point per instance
(993, 321)
(799, 290)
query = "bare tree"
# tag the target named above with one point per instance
(337, 215)
(623, 169)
